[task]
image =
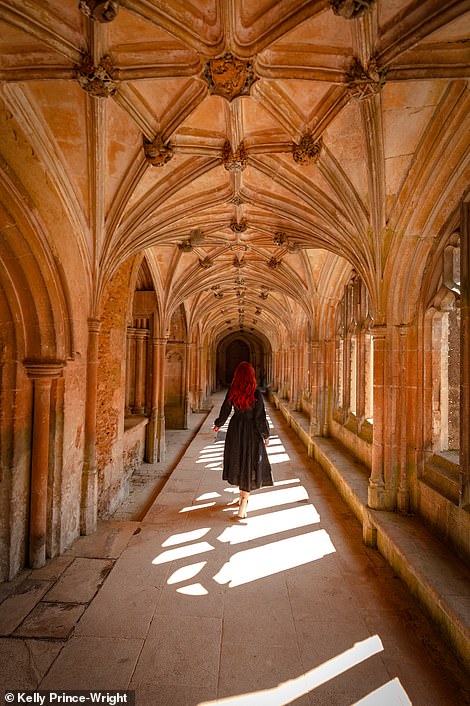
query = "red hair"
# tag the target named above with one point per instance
(242, 389)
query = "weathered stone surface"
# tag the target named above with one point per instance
(80, 581)
(18, 605)
(50, 620)
(24, 662)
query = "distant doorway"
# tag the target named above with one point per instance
(237, 351)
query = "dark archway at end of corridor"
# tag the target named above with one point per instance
(239, 346)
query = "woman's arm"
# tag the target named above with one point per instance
(224, 413)
(261, 422)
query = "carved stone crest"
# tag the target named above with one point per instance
(229, 77)
(98, 80)
(206, 263)
(156, 152)
(237, 200)
(273, 263)
(363, 83)
(234, 161)
(100, 10)
(307, 150)
(280, 238)
(238, 227)
(185, 246)
(350, 9)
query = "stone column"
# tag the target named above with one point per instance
(405, 414)
(161, 354)
(42, 374)
(376, 490)
(199, 377)
(89, 501)
(156, 426)
(465, 356)
(187, 379)
(141, 336)
(314, 388)
(327, 384)
(129, 369)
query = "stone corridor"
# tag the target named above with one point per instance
(189, 608)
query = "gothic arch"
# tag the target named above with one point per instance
(36, 340)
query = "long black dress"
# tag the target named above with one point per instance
(246, 462)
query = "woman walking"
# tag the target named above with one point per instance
(246, 462)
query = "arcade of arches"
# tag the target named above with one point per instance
(187, 185)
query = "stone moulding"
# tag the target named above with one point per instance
(98, 81)
(100, 10)
(350, 9)
(234, 161)
(363, 82)
(157, 153)
(229, 77)
(307, 150)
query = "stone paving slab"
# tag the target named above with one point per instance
(94, 663)
(51, 620)
(185, 649)
(80, 581)
(25, 662)
(18, 605)
(108, 542)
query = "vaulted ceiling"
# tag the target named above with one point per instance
(256, 150)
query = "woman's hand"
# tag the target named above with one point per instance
(216, 429)
(266, 441)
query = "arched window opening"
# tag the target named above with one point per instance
(445, 357)
(354, 357)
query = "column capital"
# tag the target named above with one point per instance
(379, 330)
(159, 341)
(44, 369)
(94, 325)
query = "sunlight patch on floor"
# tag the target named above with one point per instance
(390, 694)
(208, 496)
(256, 563)
(271, 523)
(195, 589)
(186, 572)
(190, 508)
(275, 498)
(289, 691)
(182, 552)
(183, 537)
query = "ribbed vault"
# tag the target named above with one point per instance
(252, 150)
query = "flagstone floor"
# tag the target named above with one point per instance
(189, 607)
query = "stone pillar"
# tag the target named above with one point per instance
(89, 500)
(315, 388)
(199, 377)
(187, 382)
(42, 374)
(465, 356)
(161, 355)
(327, 384)
(405, 414)
(129, 368)
(141, 336)
(155, 445)
(376, 490)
